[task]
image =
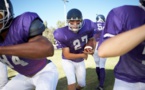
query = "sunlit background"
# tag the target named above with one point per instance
(54, 10)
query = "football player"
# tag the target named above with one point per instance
(124, 39)
(24, 49)
(100, 62)
(73, 39)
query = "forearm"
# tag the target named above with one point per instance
(32, 49)
(122, 43)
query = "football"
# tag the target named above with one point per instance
(90, 44)
(89, 47)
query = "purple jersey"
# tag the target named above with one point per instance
(131, 66)
(99, 26)
(75, 41)
(18, 34)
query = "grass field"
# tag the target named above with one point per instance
(91, 77)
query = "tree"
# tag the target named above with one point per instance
(48, 33)
(60, 24)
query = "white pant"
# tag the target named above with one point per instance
(122, 85)
(3, 75)
(73, 71)
(46, 79)
(100, 62)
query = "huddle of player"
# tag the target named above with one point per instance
(24, 49)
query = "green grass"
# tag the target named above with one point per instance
(91, 77)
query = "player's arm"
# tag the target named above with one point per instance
(122, 43)
(68, 55)
(37, 46)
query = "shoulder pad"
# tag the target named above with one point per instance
(37, 27)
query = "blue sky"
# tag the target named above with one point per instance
(53, 10)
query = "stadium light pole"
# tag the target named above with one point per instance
(65, 1)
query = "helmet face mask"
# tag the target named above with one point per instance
(3, 19)
(6, 14)
(75, 25)
(74, 20)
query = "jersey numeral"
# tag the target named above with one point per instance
(100, 27)
(77, 42)
(16, 60)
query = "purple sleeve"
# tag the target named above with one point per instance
(21, 25)
(113, 25)
(26, 19)
(59, 39)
